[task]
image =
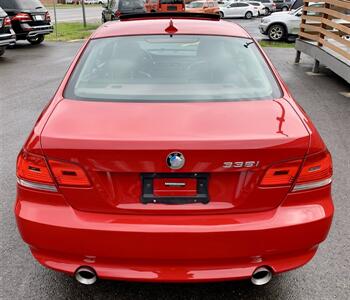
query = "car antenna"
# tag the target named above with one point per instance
(171, 29)
(247, 44)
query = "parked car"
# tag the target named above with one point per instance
(171, 6)
(238, 10)
(115, 8)
(151, 5)
(270, 6)
(7, 35)
(30, 19)
(282, 5)
(284, 25)
(205, 6)
(262, 11)
(173, 151)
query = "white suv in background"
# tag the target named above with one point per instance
(239, 9)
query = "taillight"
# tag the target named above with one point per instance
(68, 174)
(33, 168)
(117, 13)
(281, 174)
(47, 16)
(34, 172)
(22, 17)
(7, 22)
(316, 171)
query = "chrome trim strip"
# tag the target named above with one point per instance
(37, 186)
(175, 184)
(311, 185)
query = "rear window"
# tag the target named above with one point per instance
(20, 4)
(131, 4)
(177, 68)
(171, 1)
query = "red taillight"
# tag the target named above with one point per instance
(22, 17)
(117, 13)
(33, 168)
(7, 22)
(316, 167)
(33, 171)
(68, 174)
(281, 174)
(47, 17)
(316, 171)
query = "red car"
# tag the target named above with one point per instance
(173, 151)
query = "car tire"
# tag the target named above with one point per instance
(2, 50)
(276, 32)
(284, 8)
(266, 11)
(37, 40)
(248, 15)
(221, 14)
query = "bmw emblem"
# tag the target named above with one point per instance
(175, 160)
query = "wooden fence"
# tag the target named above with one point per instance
(327, 23)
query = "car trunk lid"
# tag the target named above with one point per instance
(120, 145)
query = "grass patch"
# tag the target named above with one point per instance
(273, 44)
(69, 31)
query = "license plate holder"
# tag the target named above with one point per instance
(149, 195)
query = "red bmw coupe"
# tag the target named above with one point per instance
(173, 151)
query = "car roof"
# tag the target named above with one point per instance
(185, 25)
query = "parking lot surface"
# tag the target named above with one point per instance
(28, 78)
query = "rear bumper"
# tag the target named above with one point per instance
(7, 39)
(174, 248)
(33, 31)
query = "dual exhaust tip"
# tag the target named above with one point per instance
(88, 276)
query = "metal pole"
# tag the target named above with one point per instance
(55, 16)
(84, 16)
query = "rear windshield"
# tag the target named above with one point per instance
(171, 1)
(172, 68)
(20, 4)
(131, 4)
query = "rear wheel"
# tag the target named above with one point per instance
(276, 32)
(248, 15)
(221, 14)
(2, 50)
(36, 40)
(266, 11)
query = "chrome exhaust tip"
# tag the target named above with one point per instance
(261, 276)
(85, 275)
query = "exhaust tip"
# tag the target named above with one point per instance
(85, 275)
(261, 276)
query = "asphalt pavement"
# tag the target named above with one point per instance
(29, 76)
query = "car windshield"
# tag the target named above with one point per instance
(172, 68)
(22, 4)
(196, 4)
